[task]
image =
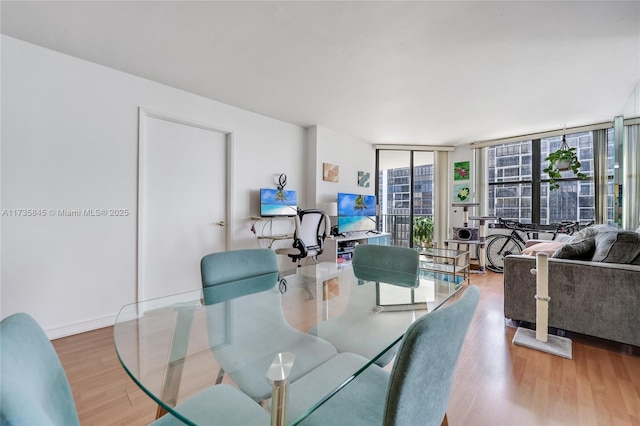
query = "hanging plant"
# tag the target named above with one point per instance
(562, 160)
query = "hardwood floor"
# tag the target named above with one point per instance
(496, 382)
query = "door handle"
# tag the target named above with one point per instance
(220, 223)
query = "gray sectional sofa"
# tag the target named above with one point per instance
(594, 285)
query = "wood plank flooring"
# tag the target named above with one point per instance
(496, 382)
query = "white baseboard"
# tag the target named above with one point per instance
(81, 327)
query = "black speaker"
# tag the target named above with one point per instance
(466, 234)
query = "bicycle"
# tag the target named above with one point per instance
(501, 245)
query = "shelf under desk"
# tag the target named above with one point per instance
(265, 231)
(273, 238)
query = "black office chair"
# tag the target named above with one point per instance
(312, 226)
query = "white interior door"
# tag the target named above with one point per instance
(182, 203)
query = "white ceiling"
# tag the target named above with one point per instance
(422, 72)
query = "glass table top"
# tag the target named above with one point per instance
(173, 347)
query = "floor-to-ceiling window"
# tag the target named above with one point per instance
(519, 189)
(405, 187)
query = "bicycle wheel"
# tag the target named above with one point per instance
(487, 240)
(488, 265)
(498, 248)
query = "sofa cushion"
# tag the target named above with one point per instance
(580, 250)
(547, 247)
(617, 247)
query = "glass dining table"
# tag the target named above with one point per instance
(177, 346)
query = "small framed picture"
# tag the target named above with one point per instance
(461, 192)
(461, 170)
(330, 172)
(330, 288)
(364, 179)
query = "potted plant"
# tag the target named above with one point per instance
(423, 231)
(563, 159)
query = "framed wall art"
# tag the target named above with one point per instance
(461, 170)
(330, 288)
(364, 179)
(330, 172)
(461, 192)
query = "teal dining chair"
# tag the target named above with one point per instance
(386, 258)
(34, 389)
(360, 329)
(246, 322)
(417, 390)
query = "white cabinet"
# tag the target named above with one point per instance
(340, 249)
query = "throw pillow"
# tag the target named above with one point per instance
(617, 247)
(604, 227)
(581, 250)
(548, 248)
(583, 234)
(563, 238)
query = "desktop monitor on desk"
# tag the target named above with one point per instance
(278, 202)
(356, 212)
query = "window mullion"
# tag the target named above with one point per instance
(536, 161)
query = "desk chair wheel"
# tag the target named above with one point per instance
(283, 286)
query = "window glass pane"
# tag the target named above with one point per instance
(393, 175)
(423, 183)
(510, 162)
(397, 187)
(511, 201)
(574, 200)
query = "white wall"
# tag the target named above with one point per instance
(69, 141)
(632, 107)
(351, 154)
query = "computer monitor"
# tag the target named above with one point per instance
(278, 202)
(356, 212)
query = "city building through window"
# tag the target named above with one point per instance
(519, 189)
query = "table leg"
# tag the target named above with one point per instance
(176, 356)
(278, 376)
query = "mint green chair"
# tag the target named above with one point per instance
(417, 390)
(388, 261)
(359, 329)
(34, 390)
(246, 322)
